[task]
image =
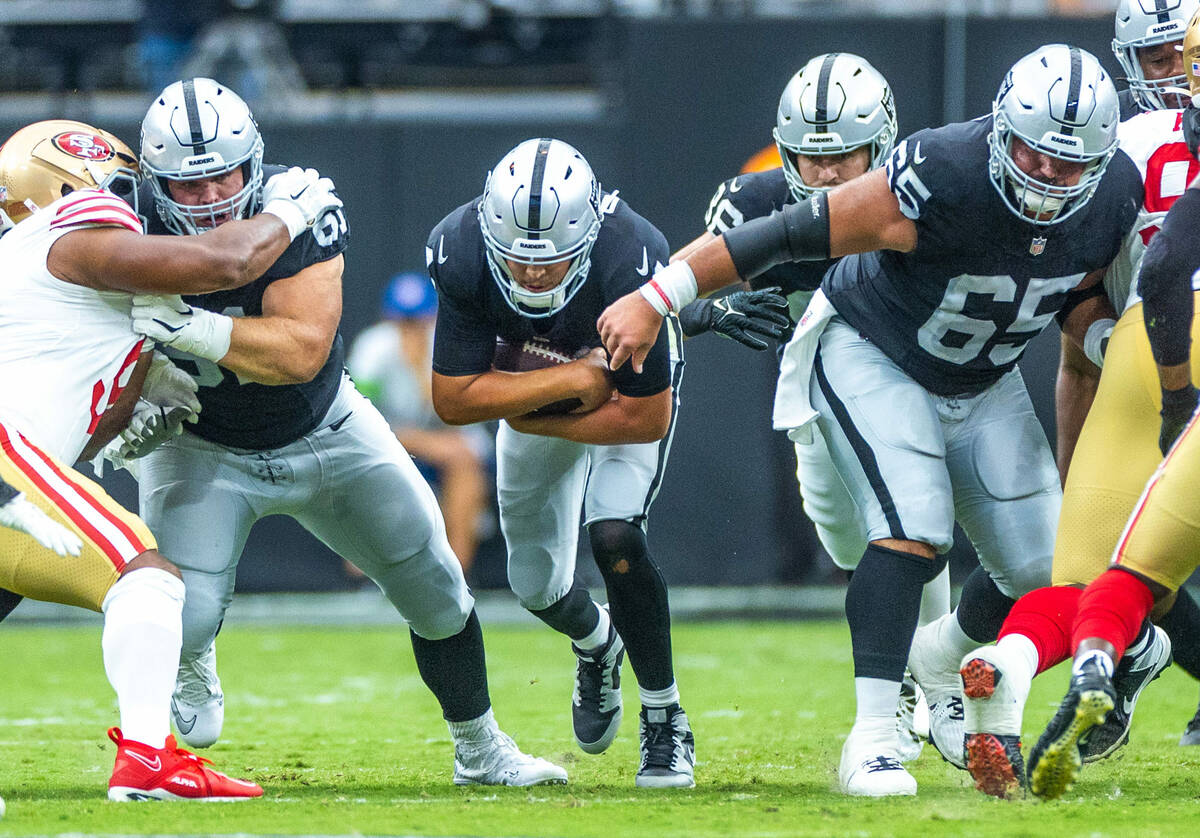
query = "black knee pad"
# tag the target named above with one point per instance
(617, 546)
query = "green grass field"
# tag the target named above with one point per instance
(337, 727)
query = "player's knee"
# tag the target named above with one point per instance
(1016, 581)
(617, 546)
(904, 545)
(439, 626)
(152, 558)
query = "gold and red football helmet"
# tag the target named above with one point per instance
(1191, 54)
(46, 160)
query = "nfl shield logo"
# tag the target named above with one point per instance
(1037, 246)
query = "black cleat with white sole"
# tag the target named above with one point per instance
(668, 749)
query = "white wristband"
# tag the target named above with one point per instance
(671, 288)
(290, 214)
(1094, 340)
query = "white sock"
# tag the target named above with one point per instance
(949, 640)
(598, 636)
(659, 698)
(935, 598)
(479, 729)
(143, 632)
(1022, 652)
(1101, 657)
(875, 701)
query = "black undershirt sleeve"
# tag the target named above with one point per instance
(797, 233)
(1165, 281)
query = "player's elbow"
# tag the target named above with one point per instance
(649, 425)
(451, 411)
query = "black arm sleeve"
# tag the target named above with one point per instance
(1074, 298)
(1165, 282)
(797, 233)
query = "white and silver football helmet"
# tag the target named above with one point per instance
(1059, 101)
(540, 205)
(196, 129)
(836, 103)
(1148, 23)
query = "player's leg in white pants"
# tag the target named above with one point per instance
(896, 473)
(201, 522)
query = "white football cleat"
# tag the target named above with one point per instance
(198, 706)
(497, 761)
(942, 685)
(909, 740)
(871, 767)
(994, 689)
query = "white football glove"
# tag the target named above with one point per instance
(169, 321)
(299, 197)
(21, 515)
(150, 427)
(168, 386)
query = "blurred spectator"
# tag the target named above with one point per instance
(166, 33)
(391, 364)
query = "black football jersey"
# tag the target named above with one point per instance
(243, 414)
(956, 313)
(1129, 105)
(754, 195)
(472, 311)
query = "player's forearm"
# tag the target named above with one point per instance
(1074, 392)
(624, 420)
(464, 400)
(276, 350)
(117, 416)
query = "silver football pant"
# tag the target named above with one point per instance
(915, 462)
(350, 483)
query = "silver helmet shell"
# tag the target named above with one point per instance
(1058, 100)
(836, 103)
(197, 129)
(540, 205)
(1148, 23)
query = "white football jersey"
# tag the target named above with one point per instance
(66, 351)
(1154, 141)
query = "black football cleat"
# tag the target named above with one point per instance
(1055, 761)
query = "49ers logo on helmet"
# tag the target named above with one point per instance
(84, 146)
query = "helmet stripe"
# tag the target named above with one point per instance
(1160, 9)
(535, 187)
(823, 92)
(1073, 86)
(193, 116)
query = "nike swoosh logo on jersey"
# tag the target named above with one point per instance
(734, 186)
(442, 250)
(338, 424)
(918, 158)
(153, 764)
(644, 270)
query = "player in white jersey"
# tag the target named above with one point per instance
(72, 370)
(1097, 500)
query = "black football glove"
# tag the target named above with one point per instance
(1177, 409)
(1191, 129)
(742, 316)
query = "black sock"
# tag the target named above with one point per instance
(883, 602)
(1182, 625)
(455, 671)
(982, 607)
(573, 615)
(9, 601)
(637, 600)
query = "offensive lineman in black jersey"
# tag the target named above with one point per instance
(283, 431)
(538, 256)
(963, 249)
(836, 121)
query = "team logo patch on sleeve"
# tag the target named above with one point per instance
(83, 145)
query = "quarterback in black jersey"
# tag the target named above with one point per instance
(836, 121)
(283, 431)
(969, 241)
(536, 258)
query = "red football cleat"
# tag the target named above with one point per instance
(169, 773)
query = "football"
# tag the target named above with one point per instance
(536, 354)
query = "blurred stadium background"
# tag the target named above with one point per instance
(407, 103)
